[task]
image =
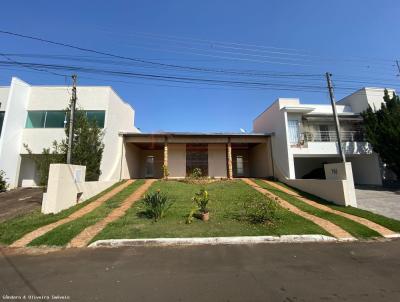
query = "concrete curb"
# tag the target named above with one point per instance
(212, 240)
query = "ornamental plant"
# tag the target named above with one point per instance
(260, 211)
(156, 204)
(201, 199)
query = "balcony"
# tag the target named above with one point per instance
(324, 143)
(330, 136)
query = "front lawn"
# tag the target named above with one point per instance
(13, 229)
(226, 215)
(64, 233)
(356, 229)
(390, 223)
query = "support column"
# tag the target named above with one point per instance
(230, 170)
(165, 166)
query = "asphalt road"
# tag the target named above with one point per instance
(19, 201)
(265, 272)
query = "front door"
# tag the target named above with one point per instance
(149, 166)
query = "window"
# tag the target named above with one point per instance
(55, 119)
(1, 120)
(197, 157)
(58, 119)
(96, 115)
(294, 132)
(239, 165)
(35, 119)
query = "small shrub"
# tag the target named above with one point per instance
(259, 211)
(156, 204)
(196, 173)
(189, 218)
(3, 183)
(201, 199)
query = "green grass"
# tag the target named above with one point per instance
(387, 222)
(13, 229)
(226, 208)
(63, 234)
(354, 228)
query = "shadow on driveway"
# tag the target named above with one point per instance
(19, 201)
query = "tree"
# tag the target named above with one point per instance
(383, 131)
(87, 149)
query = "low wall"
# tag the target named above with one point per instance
(338, 187)
(92, 188)
(66, 187)
(331, 190)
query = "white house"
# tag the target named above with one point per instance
(35, 115)
(305, 138)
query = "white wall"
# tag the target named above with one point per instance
(177, 160)
(273, 119)
(217, 162)
(360, 99)
(27, 175)
(11, 136)
(260, 160)
(119, 117)
(66, 187)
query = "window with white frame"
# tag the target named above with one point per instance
(294, 131)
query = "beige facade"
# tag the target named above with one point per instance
(145, 155)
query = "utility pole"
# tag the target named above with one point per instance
(335, 116)
(71, 119)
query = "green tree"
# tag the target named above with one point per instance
(87, 149)
(383, 131)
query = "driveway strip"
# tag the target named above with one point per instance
(83, 238)
(27, 238)
(369, 224)
(330, 227)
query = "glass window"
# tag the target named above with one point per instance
(294, 132)
(197, 157)
(35, 119)
(55, 119)
(239, 165)
(1, 120)
(96, 115)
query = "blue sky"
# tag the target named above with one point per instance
(355, 40)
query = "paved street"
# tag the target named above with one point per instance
(19, 201)
(267, 272)
(384, 201)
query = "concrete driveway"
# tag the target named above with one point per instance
(384, 201)
(19, 201)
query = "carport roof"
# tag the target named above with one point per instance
(196, 134)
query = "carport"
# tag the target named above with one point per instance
(219, 155)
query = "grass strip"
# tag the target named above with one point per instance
(63, 234)
(354, 228)
(390, 223)
(226, 209)
(13, 229)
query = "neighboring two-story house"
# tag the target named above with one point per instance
(36, 116)
(305, 137)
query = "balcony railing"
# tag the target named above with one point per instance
(330, 136)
